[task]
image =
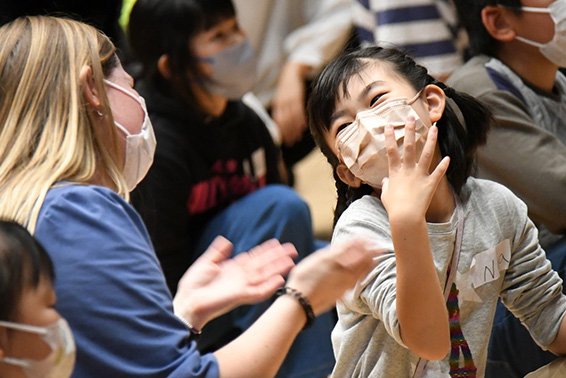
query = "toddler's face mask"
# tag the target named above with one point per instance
(60, 361)
(361, 145)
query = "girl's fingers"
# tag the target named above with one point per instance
(440, 170)
(391, 147)
(409, 142)
(429, 148)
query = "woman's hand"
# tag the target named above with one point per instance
(325, 275)
(215, 283)
(409, 189)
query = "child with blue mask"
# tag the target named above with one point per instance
(216, 169)
(35, 341)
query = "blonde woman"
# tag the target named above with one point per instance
(74, 140)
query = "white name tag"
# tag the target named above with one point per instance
(486, 267)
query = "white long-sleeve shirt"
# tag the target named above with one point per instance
(306, 31)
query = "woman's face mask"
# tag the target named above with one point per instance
(140, 147)
(59, 362)
(361, 145)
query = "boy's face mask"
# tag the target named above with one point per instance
(234, 71)
(59, 363)
(555, 49)
(361, 145)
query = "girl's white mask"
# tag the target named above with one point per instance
(361, 145)
(140, 147)
(59, 363)
(555, 49)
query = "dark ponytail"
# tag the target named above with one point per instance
(346, 195)
(461, 129)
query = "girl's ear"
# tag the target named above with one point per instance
(347, 176)
(436, 100)
(90, 92)
(496, 23)
(163, 66)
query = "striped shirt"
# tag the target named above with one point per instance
(428, 30)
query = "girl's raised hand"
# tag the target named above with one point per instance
(409, 189)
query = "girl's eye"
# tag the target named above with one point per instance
(374, 100)
(342, 127)
(219, 36)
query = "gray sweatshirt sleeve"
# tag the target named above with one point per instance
(376, 294)
(531, 289)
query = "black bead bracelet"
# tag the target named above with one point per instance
(304, 302)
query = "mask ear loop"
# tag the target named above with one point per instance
(419, 93)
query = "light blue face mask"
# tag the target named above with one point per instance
(59, 363)
(234, 70)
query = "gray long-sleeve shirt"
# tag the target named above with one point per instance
(526, 148)
(500, 256)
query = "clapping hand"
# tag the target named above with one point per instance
(326, 274)
(215, 283)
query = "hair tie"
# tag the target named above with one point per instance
(449, 91)
(456, 109)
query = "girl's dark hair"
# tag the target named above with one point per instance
(456, 139)
(23, 262)
(165, 27)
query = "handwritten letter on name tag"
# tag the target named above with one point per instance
(486, 267)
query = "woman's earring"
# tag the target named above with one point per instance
(99, 113)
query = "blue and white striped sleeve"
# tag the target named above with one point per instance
(426, 29)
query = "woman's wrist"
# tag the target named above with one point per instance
(301, 300)
(190, 312)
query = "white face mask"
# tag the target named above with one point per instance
(554, 50)
(60, 361)
(140, 148)
(362, 144)
(234, 70)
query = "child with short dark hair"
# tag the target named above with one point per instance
(34, 339)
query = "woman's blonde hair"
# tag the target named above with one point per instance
(46, 129)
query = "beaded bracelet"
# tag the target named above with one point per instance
(192, 330)
(303, 301)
